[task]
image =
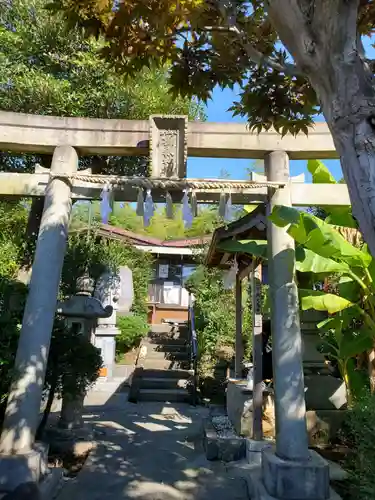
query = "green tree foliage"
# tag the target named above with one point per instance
(160, 227)
(73, 367)
(132, 329)
(73, 362)
(210, 43)
(13, 217)
(215, 323)
(291, 59)
(358, 435)
(88, 253)
(49, 70)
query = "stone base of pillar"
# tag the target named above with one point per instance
(285, 479)
(31, 466)
(257, 490)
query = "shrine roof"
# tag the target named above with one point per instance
(252, 226)
(143, 240)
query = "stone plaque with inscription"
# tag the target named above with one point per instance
(168, 146)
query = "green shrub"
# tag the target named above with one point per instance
(12, 300)
(73, 367)
(73, 362)
(95, 255)
(133, 328)
(358, 434)
(215, 323)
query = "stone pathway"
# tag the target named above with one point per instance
(149, 451)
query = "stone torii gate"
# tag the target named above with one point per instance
(291, 471)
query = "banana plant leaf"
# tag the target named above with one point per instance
(318, 236)
(321, 301)
(320, 173)
(339, 322)
(348, 288)
(250, 208)
(354, 343)
(257, 248)
(338, 216)
(308, 261)
(341, 216)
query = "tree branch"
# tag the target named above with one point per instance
(255, 55)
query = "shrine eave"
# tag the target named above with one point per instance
(252, 226)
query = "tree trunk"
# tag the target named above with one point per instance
(322, 38)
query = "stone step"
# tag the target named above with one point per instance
(173, 356)
(164, 364)
(166, 340)
(159, 347)
(169, 333)
(174, 374)
(163, 383)
(167, 395)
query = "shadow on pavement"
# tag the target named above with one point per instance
(149, 451)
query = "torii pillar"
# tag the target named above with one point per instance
(291, 471)
(20, 460)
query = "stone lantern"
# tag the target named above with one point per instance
(82, 312)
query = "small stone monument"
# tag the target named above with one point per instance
(116, 291)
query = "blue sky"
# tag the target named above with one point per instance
(216, 111)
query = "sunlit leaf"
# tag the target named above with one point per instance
(257, 248)
(321, 301)
(310, 262)
(318, 236)
(320, 173)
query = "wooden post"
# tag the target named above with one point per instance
(239, 340)
(256, 281)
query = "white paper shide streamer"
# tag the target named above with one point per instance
(140, 210)
(228, 216)
(105, 204)
(222, 205)
(230, 276)
(168, 206)
(187, 214)
(149, 209)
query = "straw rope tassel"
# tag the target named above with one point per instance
(168, 205)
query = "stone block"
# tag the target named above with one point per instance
(310, 353)
(238, 400)
(287, 480)
(254, 450)
(51, 484)
(168, 145)
(226, 449)
(239, 409)
(257, 490)
(104, 339)
(28, 467)
(324, 392)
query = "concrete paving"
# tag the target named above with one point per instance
(149, 451)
